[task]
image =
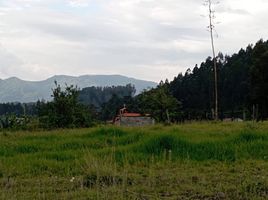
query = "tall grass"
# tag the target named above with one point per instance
(117, 159)
(204, 142)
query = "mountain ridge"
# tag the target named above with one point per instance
(14, 89)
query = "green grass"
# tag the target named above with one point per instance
(190, 161)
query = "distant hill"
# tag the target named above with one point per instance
(17, 90)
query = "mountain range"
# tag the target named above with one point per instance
(17, 90)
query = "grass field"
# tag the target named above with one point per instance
(190, 161)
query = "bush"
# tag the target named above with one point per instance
(64, 111)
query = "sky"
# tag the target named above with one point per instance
(144, 39)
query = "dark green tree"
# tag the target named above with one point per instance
(160, 104)
(64, 111)
(259, 80)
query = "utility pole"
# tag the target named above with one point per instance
(211, 29)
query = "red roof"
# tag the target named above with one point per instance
(131, 115)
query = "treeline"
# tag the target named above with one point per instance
(97, 96)
(157, 102)
(242, 84)
(91, 96)
(18, 109)
(69, 108)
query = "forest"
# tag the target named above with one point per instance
(242, 85)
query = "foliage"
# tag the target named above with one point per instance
(97, 96)
(102, 102)
(12, 122)
(18, 109)
(259, 79)
(111, 108)
(65, 110)
(160, 104)
(242, 83)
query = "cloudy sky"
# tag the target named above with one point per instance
(146, 39)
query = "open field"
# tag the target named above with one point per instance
(190, 161)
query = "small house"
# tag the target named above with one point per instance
(125, 118)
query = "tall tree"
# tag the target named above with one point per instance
(259, 79)
(160, 104)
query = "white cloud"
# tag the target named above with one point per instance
(79, 3)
